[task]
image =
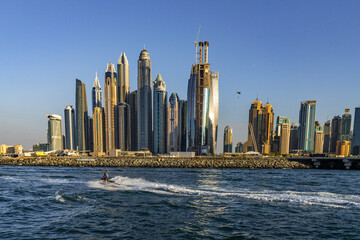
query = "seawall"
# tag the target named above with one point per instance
(157, 162)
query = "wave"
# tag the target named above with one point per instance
(68, 198)
(59, 197)
(325, 199)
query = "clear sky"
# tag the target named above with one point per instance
(283, 51)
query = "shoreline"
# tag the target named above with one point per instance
(157, 162)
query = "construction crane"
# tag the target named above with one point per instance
(196, 41)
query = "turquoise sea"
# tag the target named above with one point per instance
(148, 203)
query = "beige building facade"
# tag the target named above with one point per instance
(285, 138)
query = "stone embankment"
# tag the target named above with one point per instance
(157, 162)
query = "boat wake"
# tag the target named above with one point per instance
(325, 199)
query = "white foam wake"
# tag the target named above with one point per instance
(325, 199)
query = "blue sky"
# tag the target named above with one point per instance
(282, 51)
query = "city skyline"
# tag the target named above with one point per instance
(315, 63)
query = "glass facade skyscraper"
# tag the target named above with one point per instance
(356, 137)
(81, 110)
(307, 125)
(55, 137)
(202, 105)
(345, 126)
(144, 109)
(160, 116)
(228, 139)
(70, 133)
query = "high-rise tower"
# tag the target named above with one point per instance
(55, 137)
(307, 126)
(81, 112)
(335, 133)
(123, 76)
(202, 95)
(268, 126)
(228, 138)
(182, 124)
(123, 112)
(173, 124)
(144, 116)
(355, 146)
(133, 119)
(261, 124)
(345, 126)
(160, 123)
(285, 137)
(123, 129)
(255, 126)
(327, 136)
(110, 106)
(318, 138)
(70, 133)
(213, 110)
(98, 130)
(96, 94)
(294, 137)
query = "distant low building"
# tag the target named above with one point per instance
(40, 147)
(239, 147)
(119, 153)
(18, 149)
(2, 149)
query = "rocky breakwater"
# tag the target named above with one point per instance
(158, 162)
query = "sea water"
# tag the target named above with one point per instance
(161, 203)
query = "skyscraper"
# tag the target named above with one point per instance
(345, 133)
(182, 124)
(255, 126)
(81, 111)
(160, 116)
(173, 123)
(98, 129)
(144, 116)
(55, 137)
(356, 138)
(307, 125)
(327, 136)
(90, 135)
(202, 89)
(133, 119)
(279, 121)
(110, 106)
(319, 139)
(261, 124)
(294, 143)
(285, 137)
(228, 138)
(123, 127)
(268, 128)
(96, 94)
(124, 82)
(213, 110)
(335, 133)
(70, 133)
